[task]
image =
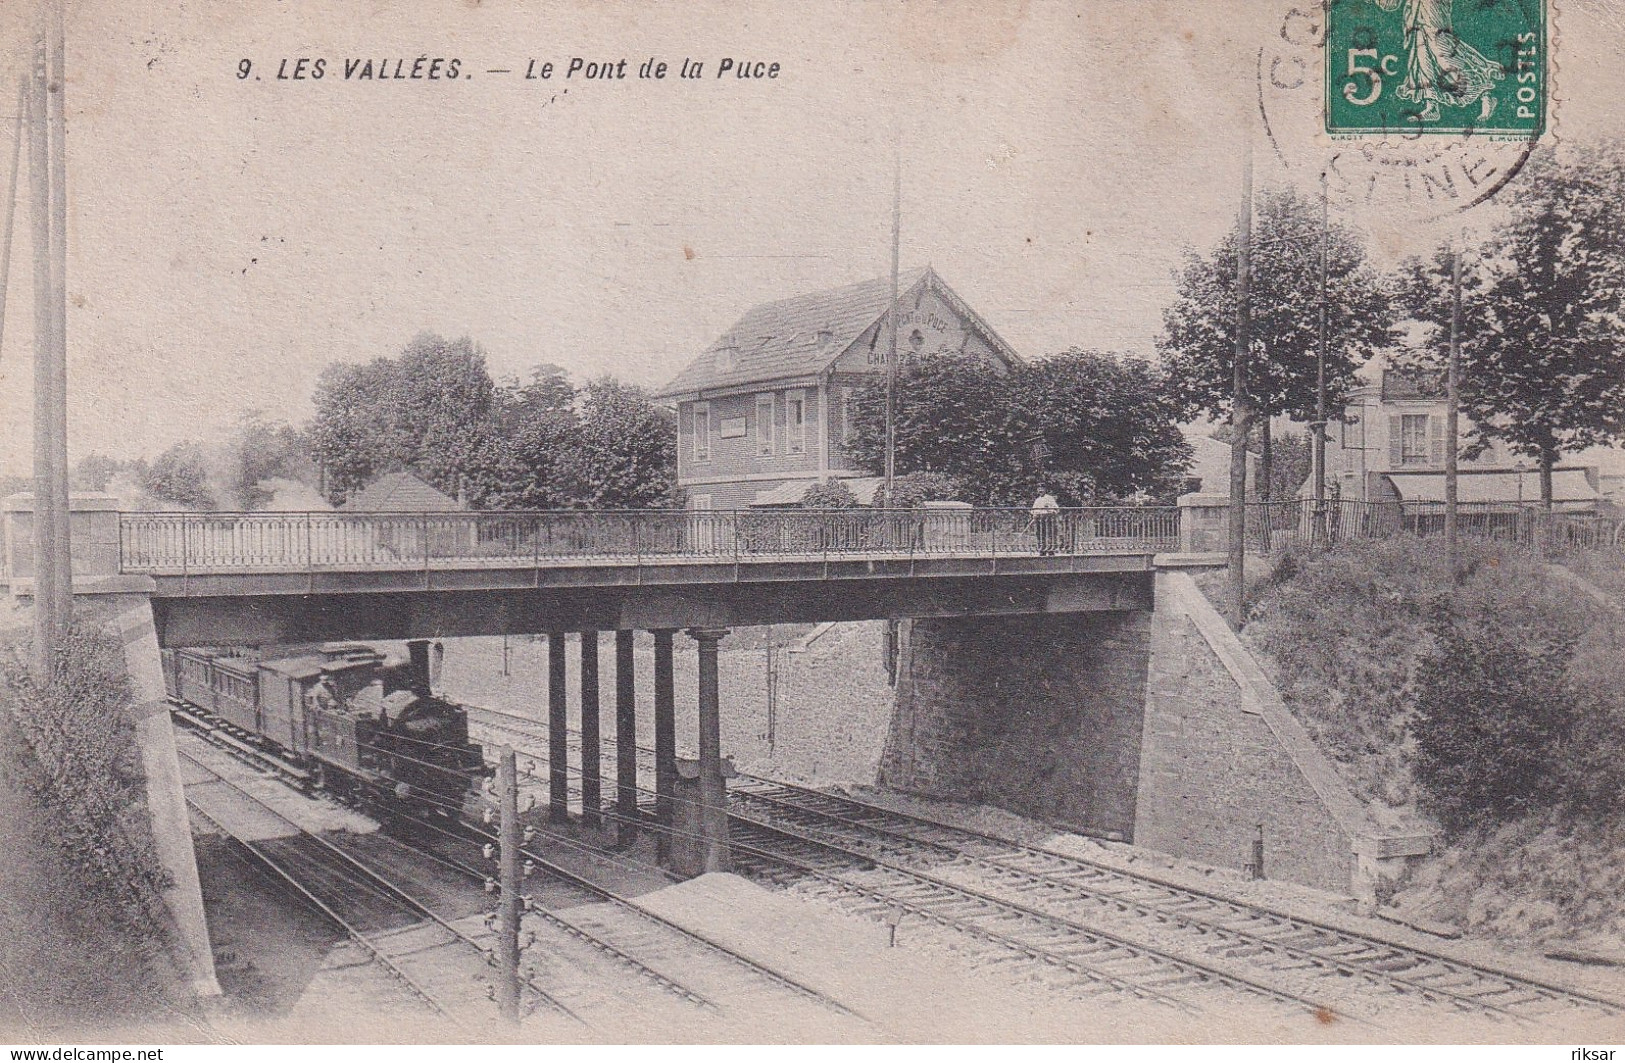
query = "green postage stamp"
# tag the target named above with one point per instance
(1436, 66)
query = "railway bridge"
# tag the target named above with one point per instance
(1096, 608)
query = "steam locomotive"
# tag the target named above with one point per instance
(340, 712)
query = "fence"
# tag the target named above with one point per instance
(1272, 526)
(182, 542)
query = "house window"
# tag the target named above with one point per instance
(702, 431)
(795, 422)
(1413, 439)
(764, 426)
(847, 431)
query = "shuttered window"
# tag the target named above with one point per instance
(1415, 439)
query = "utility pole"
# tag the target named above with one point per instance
(56, 123)
(47, 615)
(1452, 385)
(1241, 414)
(11, 202)
(1318, 442)
(508, 913)
(891, 319)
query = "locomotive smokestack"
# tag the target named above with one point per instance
(418, 673)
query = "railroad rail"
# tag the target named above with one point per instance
(573, 887)
(1059, 883)
(398, 930)
(1307, 951)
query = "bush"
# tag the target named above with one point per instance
(1494, 713)
(831, 494)
(81, 751)
(917, 487)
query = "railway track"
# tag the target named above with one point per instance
(1311, 952)
(602, 924)
(433, 959)
(955, 876)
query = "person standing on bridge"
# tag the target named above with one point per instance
(1046, 518)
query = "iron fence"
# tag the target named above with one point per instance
(198, 542)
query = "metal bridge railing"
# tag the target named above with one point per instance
(196, 542)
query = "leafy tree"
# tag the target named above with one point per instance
(1542, 332)
(258, 450)
(1110, 429)
(624, 455)
(1092, 426)
(430, 410)
(535, 426)
(1198, 342)
(178, 477)
(94, 471)
(952, 416)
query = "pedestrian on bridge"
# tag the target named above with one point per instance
(1046, 514)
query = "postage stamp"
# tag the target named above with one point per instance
(1436, 66)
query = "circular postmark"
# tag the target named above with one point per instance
(1415, 110)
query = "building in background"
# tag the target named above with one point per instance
(765, 412)
(1389, 445)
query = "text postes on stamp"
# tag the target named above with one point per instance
(1436, 66)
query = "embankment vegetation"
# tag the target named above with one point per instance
(1491, 707)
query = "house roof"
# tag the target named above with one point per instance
(399, 492)
(804, 335)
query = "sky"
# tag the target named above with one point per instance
(229, 237)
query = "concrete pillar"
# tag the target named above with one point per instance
(626, 741)
(713, 795)
(166, 794)
(558, 728)
(665, 738)
(591, 760)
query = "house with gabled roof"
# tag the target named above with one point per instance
(765, 412)
(400, 492)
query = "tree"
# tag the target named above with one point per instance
(1542, 333)
(1107, 422)
(178, 477)
(258, 450)
(1093, 427)
(93, 472)
(952, 416)
(520, 467)
(430, 410)
(625, 451)
(1198, 341)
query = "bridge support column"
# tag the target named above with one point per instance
(558, 732)
(592, 811)
(626, 741)
(665, 738)
(713, 795)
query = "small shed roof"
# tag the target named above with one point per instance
(399, 492)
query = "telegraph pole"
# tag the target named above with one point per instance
(891, 319)
(48, 618)
(56, 122)
(1452, 385)
(1241, 414)
(1318, 443)
(11, 201)
(508, 913)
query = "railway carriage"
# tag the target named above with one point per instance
(357, 724)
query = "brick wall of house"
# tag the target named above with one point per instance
(1036, 714)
